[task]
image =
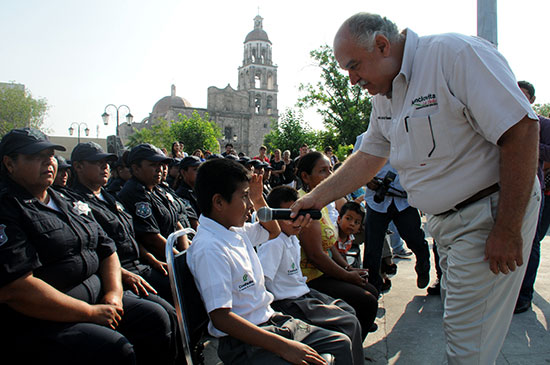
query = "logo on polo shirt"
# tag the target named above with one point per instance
(424, 101)
(246, 283)
(293, 269)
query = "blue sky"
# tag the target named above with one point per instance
(83, 55)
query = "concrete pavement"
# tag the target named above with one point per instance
(410, 324)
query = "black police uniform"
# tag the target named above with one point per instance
(115, 185)
(64, 247)
(152, 211)
(117, 222)
(185, 211)
(186, 192)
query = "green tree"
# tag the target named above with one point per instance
(19, 109)
(542, 109)
(290, 133)
(345, 109)
(194, 131)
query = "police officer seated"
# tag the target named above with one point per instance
(155, 216)
(61, 297)
(186, 187)
(141, 271)
(120, 173)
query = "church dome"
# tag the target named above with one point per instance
(257, 35)
(170, 102)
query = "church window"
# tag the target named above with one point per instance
(270, 81)
(228, 133)
(257, 82)
(257, 104)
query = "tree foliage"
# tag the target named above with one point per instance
(290, 133)
(345, 109)
(542, 109)
(194, 131)
(19, 109)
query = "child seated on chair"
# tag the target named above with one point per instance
(280, 258)
(350, 220)
(230, 278)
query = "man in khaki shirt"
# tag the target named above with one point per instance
(448, 114)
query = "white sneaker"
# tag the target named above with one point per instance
(402, 254)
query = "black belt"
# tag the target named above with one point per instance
(474, 198)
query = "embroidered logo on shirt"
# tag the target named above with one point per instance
(425, 101)
(3, 235)
(246, 283)
(143, 209)
(293, 269)
(81, 207)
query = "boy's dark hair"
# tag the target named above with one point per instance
(281, 194)
(353, 206)
(218, 176)
(527, 86)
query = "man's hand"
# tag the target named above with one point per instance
(307, 201)
(503, 250)
(299, 353)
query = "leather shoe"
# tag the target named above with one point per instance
(522, 306)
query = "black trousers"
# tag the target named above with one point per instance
(363, 300)
(144, 336)
(409, 227)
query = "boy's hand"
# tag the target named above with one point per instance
(256, 187)
(300, 353)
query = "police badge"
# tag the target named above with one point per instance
(3, 235)
(81, 207)
(143, 209)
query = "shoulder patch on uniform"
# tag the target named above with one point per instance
(143, 209)
(3, 235)
(81, 207)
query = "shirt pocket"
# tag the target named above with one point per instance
(429, 138)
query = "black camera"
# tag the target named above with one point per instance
(384, 186)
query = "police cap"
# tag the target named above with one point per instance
(27, 141)
(190, 161)
(146, 151)
(90, 151)
(61, 162)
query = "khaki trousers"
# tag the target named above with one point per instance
(478, 305)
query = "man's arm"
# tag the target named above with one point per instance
(356, 171)
(293, 351)
(518, 164)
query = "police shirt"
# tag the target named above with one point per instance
(115, 221)
(187, 193)
(452, 100)
(185, 212)
(152, 211)
(280, 258)
(227, 270)
(63, 248)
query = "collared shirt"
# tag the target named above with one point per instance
(280, 258)
(186, 192)
(115, 221)
(453, 99)
(227, 270)
(382, 207)
(62, 247)
(152, 211)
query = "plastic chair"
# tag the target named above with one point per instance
(192, 316)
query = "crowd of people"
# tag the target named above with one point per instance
(82, 241)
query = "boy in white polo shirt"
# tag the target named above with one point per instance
(280, 258)
(230, 278)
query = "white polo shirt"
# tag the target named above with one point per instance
(280, 258)
(227, 270)
(453, 99)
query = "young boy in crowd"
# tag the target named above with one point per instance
(280, 258)
(230, 278)
(350, 219)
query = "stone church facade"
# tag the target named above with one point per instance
(245, 114)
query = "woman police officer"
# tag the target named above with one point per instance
(61, 297)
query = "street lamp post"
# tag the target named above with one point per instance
(105, 115)
(78, 125)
